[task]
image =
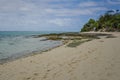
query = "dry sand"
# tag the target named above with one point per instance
(95, 60)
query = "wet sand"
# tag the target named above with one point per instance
(98, 59)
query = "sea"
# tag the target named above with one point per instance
(16, 44)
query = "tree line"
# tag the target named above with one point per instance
(108, 22)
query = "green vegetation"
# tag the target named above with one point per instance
(109, 22)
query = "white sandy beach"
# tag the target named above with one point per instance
(94, 60)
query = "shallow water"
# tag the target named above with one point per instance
(13, 44)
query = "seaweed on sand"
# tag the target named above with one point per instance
(77, 43)
(111, 36)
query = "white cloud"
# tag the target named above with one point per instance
(88, 4)
(75, 12)
(61, 22)
(43, 13)
(113, 1)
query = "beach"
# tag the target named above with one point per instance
(98, 59)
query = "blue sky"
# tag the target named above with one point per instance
(51, 15)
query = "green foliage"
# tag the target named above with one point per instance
(89, 25)
(110, 21)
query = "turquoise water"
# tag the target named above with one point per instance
(24, 33)
(14, 44)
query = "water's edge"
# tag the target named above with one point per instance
(15, 44)
(16, 57)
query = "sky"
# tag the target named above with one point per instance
(51, 15)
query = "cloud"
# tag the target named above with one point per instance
(44, 13)
(113, 1)
(88, 4)
(75, 12)
(15, 6)
(61, 22)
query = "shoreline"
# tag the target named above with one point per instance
(25, 55)
(64, 43)
(94, 60)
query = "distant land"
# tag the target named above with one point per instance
(108, 22)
